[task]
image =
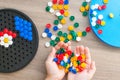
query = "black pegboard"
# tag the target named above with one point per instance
(22, 51)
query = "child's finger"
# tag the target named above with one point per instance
(62, 45)
(53, 52)
(66, 45)
(69, 43)
(92, 68)
(59, 45)
(88, 56)
(77, 51)
(51, 55)
(81, 49)
(69, 47)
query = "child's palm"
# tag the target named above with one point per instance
(89, 71)
(54, 71)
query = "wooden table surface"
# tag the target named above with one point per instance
(107, 58)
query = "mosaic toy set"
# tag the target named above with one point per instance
(19, 36)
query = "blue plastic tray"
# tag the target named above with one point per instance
(111, 31)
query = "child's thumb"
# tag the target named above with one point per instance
(51, 55)
(92, 68)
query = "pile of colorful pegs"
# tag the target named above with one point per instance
(67, 60)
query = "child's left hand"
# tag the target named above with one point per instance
(53, 72)
(87, 73)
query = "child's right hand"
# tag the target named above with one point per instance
(53, 72)
(88, 73)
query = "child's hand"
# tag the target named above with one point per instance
(53, 72)
(88, 73)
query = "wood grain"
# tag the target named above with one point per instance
(107, 58)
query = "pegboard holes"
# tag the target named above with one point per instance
(3, 56)
(11, 60)
(21, 51)
(7, 63)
